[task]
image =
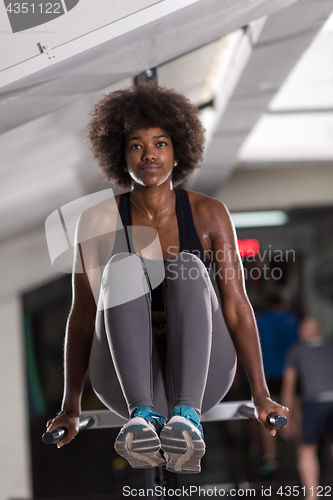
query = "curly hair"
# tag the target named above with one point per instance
(141, 107)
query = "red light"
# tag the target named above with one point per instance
(248, 248)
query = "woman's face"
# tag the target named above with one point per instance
(149, 156)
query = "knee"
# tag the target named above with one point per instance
(185, 266)
(123, 264)
(124, 278)
(120, 256)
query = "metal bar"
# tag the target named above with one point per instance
(272, 418)
(222, 411)
(51, 437)
(102, 419)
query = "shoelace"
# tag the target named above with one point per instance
(150, 415)
(190, 414)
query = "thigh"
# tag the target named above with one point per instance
(104, 378)
(223, 359)
(102, 373)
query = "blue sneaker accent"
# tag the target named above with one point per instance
(182, 441)
(189, 413)
(138, 441)
(151, 416)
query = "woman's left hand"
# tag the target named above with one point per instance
(266, 406)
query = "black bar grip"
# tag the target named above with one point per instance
(51, 437)
(272, 418)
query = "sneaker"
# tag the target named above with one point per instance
(182, 441)
(138, 441)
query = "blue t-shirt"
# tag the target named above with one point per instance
(278, 332)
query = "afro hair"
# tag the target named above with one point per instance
(144, 106)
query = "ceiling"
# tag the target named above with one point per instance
(298, 123)
(200, 48)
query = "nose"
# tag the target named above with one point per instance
(148, 154)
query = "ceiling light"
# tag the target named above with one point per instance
(256, 219)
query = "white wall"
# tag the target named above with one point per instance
(24, 263)
(14, 444)
(281, 187)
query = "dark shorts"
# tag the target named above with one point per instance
(317, 419)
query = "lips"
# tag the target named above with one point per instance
(150, 168)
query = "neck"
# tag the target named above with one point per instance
(154, 200)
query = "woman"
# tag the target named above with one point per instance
(165, 350)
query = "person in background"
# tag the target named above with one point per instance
(312, 361)
(278, 332)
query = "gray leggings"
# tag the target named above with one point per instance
(126, 369)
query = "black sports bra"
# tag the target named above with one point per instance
(188, 237)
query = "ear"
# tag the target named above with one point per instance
(175, 163)
(125, 169)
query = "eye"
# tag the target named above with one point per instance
(135, 146)
(161, 143)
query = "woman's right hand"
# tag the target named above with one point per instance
(70, 421)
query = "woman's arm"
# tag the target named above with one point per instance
(288, 393)
(237, 310)
(79, 334)
(79, 331)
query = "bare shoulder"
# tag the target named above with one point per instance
(211, 209)
(99, 217)
(206, 202)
